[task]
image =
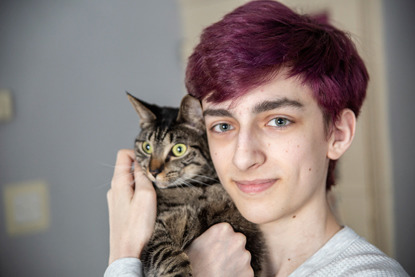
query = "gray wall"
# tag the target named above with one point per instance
(400, 46)
(68, 64)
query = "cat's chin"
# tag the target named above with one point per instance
(159, 182)
(168, 185)
(163, 185)
(160, 186)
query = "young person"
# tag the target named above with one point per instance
(280, 94)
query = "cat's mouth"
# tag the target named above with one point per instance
(164, 184)
(161, 185)
(169, 180)
(161, 182)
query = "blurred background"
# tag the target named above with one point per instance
(64, 70)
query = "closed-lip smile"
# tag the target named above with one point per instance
(254, 186)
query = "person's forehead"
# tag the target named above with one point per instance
(280, 92)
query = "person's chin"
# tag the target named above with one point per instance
(256, 217)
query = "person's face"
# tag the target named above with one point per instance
(269, 148)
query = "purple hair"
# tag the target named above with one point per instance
(252, 43)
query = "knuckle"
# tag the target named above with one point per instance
(226, 227)
(221, 228)
(109, 194)
(247, 257)
(251, 272)
(122, 152)
(115, 183)
(246, 263)
(240, 239)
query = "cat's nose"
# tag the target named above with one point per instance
(155, 172)
(156, 166)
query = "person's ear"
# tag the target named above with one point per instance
(342, 134)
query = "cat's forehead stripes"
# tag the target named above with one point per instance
(150, 136)
(171, 137)
(161, 134)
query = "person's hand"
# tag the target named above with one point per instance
(132, 208)
(220, 252)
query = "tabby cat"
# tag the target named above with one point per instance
(172, 149)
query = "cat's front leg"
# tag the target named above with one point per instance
(176, 265)
(164, 255)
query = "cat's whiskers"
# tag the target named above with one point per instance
(106, 183)
(182, 182)
(115, 166)
(195, 180)
(206, 177)
(130, 172)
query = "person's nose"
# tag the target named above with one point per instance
(248, 152)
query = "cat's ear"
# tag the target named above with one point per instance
(145, 114)
(191, 113)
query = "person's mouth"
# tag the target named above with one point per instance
(255, 186)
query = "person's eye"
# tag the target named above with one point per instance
(279, 122)
(222, 127)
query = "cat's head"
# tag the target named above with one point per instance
(172, 147)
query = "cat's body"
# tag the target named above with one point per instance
(172, 149)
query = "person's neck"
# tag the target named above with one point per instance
(291, 241)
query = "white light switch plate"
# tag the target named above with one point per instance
(26, 207)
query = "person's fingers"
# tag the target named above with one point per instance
(220, 251)
(140, 177)
(123, 177)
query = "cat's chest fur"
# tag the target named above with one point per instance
(186, 213)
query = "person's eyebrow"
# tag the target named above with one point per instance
(271, 105)
(217, 112)
(259, 108)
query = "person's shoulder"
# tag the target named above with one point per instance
(348, 254)
(361, 258)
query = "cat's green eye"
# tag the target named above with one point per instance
(147, 147)
(179, 149)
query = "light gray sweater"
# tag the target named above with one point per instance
(345, 254)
